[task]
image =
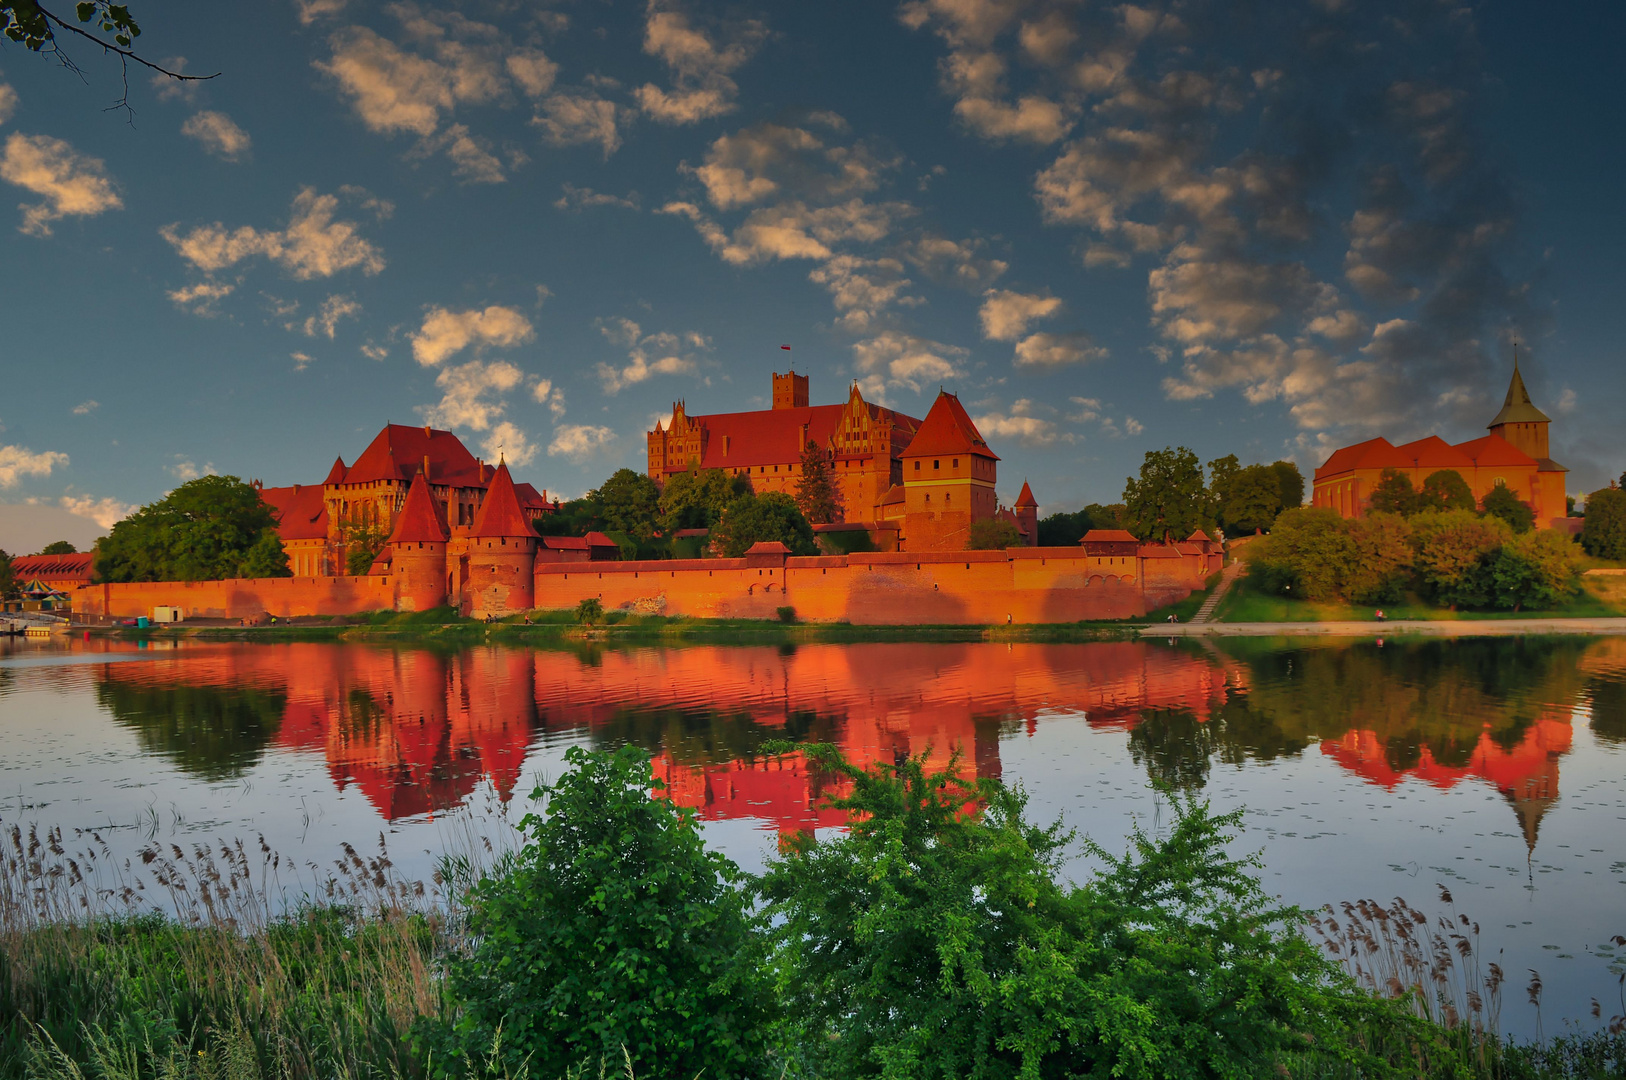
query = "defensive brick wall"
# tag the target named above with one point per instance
(240, 598)
(1020, 585)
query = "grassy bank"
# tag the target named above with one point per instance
(1600, 597)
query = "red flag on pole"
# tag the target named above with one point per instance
(785, 347)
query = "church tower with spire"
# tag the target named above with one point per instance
(1520, 422)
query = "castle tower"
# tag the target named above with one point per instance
(1027, 514)
(948, 479)
(418, 550)
(502, 554)
(1520, 422)
(789, 391)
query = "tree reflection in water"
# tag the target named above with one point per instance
(211, 732)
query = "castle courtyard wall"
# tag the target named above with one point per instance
(240, 598)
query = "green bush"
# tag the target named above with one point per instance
(612, 931)
(1455, 550)
(1501, 502)
(937, 939)
(589, 611)
(1538, 569)
(993, 534)
(786, 614)
(1603, 535)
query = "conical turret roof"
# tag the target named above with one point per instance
(948, 429)
(1026, 497)
(335, 475)
(1518, 409)
(420, 519)
(500, 514)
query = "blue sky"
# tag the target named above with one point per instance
(1264, 229)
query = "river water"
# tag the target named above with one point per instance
(1494, 769)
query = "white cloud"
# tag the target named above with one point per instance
(532, 70)
(310, 11)
(649, 355)
(17, 462)
(218, 134)
(862, 288)
(1032, 119)
(895, 359)
(1006, 315)
(85, 408)
(1049, 351)
(200, 298)
(445, 333)
(472, 394)
(104, 512)
(71, 183)
(547, 394)
(326, 320)
(374, 352)
(508, 443)
(572, 119)
(578, 442)
(578, 199)
(700, 68)
(313, 245)
(1019, 424)
(8, 102)
(769, 159)
(394, 90)
(471, 156)
(184, 469)
(301, 360)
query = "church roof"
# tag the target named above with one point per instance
(1433, 452)
(1491, 450)
(420, 519)
(1026, 497)
(335, 475)
(774, 436)
(500, 513)
(300, 510)
(1517, 408)
(1376, 453)
(948, 429)
(398, 452)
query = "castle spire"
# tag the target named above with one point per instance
(1517, 407)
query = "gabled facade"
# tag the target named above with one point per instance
(1513, 455)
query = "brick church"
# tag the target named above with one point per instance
(1513, 455)
(916, 485)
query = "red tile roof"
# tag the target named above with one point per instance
(1377, 453)
(1026, 497)
(1199, 537)
(1159, 551)
(500, 513)
(300, 511)
(1492, 450)
(421, 519)
(398, 452)
(335, 475)
(565, 543)
(1104, 535)
(80, 566)
(948, 429)
(1434, 453)
(774, 436)
(767, 547)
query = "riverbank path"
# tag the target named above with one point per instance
(1395, 628)
(1227, 577)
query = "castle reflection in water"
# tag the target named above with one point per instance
(416, 731)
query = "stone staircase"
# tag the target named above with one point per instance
(1227, 577)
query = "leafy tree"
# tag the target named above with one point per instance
(266, 558)
(1537, 569)
(578, 517)
(1252, 501)
(1108, 516)
(1393, 494)
(1309, 554)
(993, 534)
(1454, 552)
(363, 543)
(936, 939)
(1445, 489)
(1064, 530)
(38, 29)
(752, 519)
(629, 502)
(1501, 502)
(1383, 559)
(818, 496)
(8, 577)
(1222, 473)
(59, 547)
(589, 611)
(1604, 534)
(1292, 483)
(697, 498)
(204, 530)
(613, 928)
(1169, 497)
